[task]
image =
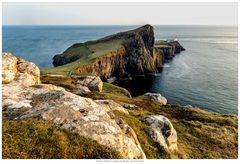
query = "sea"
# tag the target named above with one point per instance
(205, 75)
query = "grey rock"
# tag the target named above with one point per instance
(84, 116)
(162, 131)
(157, 97)
(130, 106)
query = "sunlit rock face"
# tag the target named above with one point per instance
(162, 131)
(24, 97)
(19, 71)
(157, 97)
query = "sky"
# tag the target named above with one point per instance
(157, 13)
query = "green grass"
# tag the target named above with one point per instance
(33, 138)
(88, 53)
(203, 140)
(201, 134)
(110, 88)
(110, 91)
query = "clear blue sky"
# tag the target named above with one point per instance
(204, 13)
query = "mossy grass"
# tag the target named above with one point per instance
(87, 53)
(201, 134)
(38, 139)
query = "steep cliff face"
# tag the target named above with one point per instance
(121, 54)
(169, 48)
(106, 66)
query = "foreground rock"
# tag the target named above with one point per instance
(162, 132)
(80, 85)
(157, 97)
(80, 115)
(19, 71)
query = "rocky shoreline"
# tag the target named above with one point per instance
(74, 98)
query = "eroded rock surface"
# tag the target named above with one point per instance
(157, 97)
(162, 131)
(79, 115)
(110, 105)
(9, 67)
(19, 71)
(92, 119)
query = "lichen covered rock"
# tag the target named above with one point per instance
(94, 120)
(79, 115)
(19, 71)
(157, 97)
(94, 83)
(9, 67)
(110, 105)
(162, 132)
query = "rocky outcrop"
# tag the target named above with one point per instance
(130, 106)
(168, 48)
(162, 132)
(19, 71)
(157, 97)
(9, 67)
(177, 47)
(89, 118)
(135, 55)
(80, 85)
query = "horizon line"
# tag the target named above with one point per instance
(119, 24)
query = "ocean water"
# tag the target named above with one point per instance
(205, 75)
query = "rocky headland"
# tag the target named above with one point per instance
(70, 112)
(124, 54)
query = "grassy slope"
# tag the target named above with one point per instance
(88, 53)
(32, 138)
(201, 134)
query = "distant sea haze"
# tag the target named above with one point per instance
(205, 75)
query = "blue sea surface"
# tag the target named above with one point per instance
(205, 75)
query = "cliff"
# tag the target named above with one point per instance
(123, 54)
(168, 48)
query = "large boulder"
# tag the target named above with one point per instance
(9, 67)
(80, 115)
(94, 83)
(84, 116)
(19, 71)
(162, 131)
(157, 97)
